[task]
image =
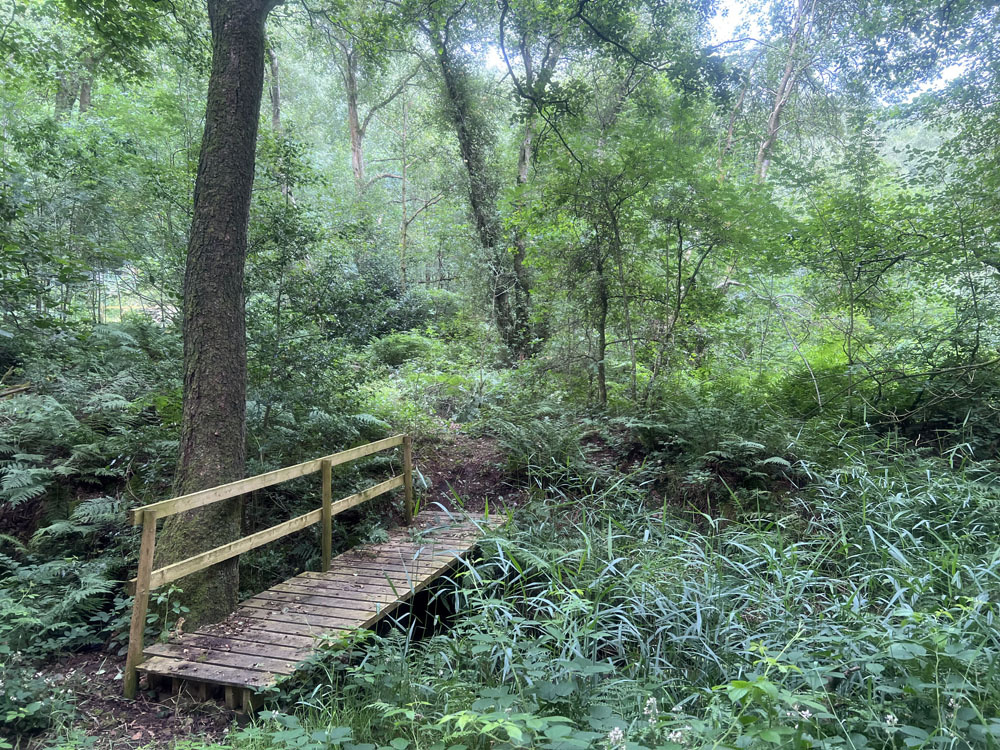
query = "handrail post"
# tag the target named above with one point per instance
(140, 604)
(408, 478)
(327, 473)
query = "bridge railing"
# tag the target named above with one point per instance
(148, 579)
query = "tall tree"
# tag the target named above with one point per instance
(212, 449)
(508, 285)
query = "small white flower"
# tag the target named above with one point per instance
(807, 714)
(891, 720)
(951, 703)
(616, 739)
(650, 708)
(677, 709)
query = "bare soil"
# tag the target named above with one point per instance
(465, 472)
(116, 723)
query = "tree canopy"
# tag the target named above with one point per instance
(705, 293)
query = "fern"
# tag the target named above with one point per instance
(21, 482)
(369, 421)
(775, 461)
(100, 511)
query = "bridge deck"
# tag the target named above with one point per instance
(273, 632)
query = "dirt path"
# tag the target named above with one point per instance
(464, 472)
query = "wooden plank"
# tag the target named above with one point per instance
(350, 605)
(165, 575)
(403, 551)
(209, 673)
(413, 545)
(414, 556)
(278, 627)
(224, 492)
(345, 620)
(137, 626)
(291, 595)
(381, 572)
(344, 604)
(237, 646)
(448, 536)
(322, 607)
(353, 601)
(257, 637)
(367, 574)
(415, 567)
(347, 607)
(252, 701)
(223, 658)
(375, 576)
(318, 623)
(335, 589)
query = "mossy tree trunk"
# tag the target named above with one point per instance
(511, 296)
(212, 449)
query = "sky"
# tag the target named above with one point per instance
(734, 19)
(731, 14)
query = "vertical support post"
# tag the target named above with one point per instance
(408, 477)
(140, 604)
(327, 472)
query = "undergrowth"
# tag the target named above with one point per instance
(857, 614)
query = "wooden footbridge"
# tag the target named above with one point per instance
(270, 634)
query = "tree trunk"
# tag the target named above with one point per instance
(602, 334)
(87, 82)
(67, 88)
(86, 89)
(510, 294)
(354, 119)
(627, 308)
(274, 93)
(786, 86)
(274, 90)
(405, 223)
(212, 446)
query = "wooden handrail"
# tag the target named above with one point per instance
(148, 579)
(201, 498)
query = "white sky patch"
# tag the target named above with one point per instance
(493, 59)
(947, 75)
(734, 19)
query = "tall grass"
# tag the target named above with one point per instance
(862, 614)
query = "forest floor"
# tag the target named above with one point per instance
(466, 472)
(111, 721)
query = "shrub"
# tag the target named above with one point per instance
(397, 348)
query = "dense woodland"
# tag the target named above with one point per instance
(703, 296)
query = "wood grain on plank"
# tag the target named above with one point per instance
(277, 629)
(214, 657)
(238, 646)
(210, 673)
